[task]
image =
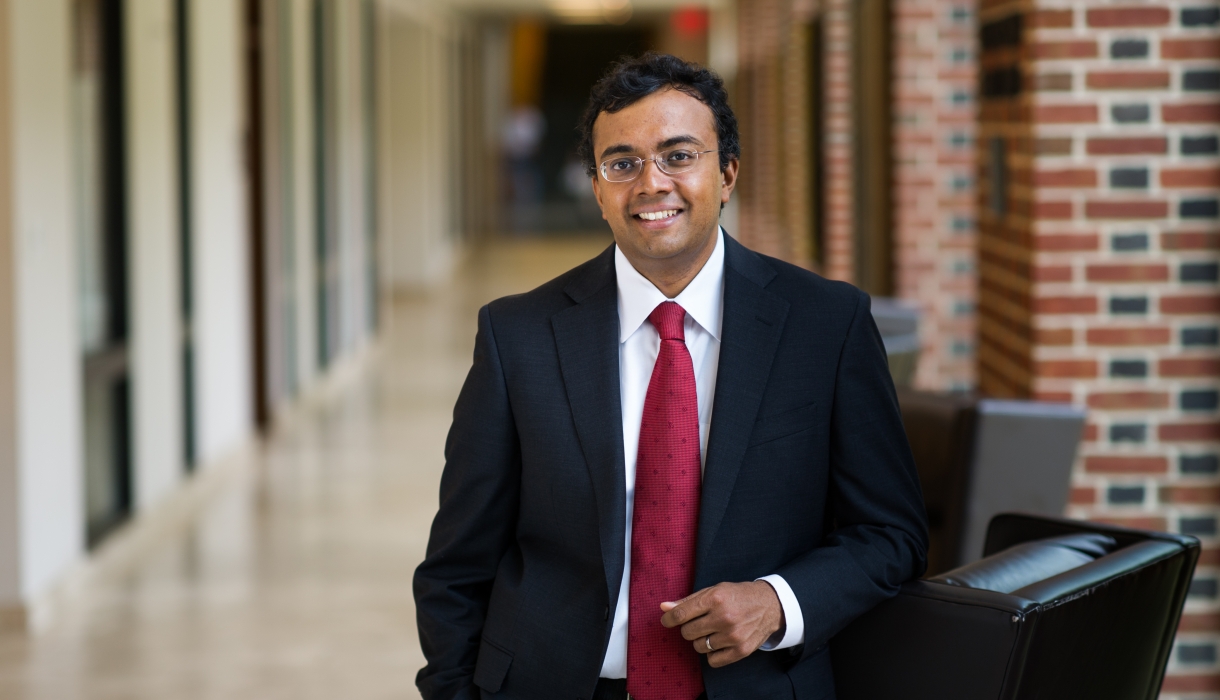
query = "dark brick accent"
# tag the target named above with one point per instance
(1199, 464)
(1129, 177)
(1002, 82)
(1001, 32)
(1201, 336)
(1125, 495)
(1199, 272)
(1129, 241)
(1199, 400)
(1129, 305)
(1129, 48)
(1200, 145)
(1200, 16)
(1128, 432)
(1130, 114)
(1197, 526)
(1199, 208)
(1128, 368)
(1204, 588)
(1199, 653)
(1200, 80)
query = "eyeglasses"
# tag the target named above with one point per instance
(673, 162)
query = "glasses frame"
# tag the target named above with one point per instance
(655, 158)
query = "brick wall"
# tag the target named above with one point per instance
(1099, 266)
(934, 73)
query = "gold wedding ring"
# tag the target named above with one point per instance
(708, 641)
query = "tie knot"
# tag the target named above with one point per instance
(667, 318)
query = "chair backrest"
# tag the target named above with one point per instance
(1022, 461)
(1100, 629)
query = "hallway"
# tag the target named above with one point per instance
(285, 571)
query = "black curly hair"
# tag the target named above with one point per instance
(632, 79)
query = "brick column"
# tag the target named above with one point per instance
(934, 67)
(1099, 282)
(838, 256)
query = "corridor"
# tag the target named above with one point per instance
(285, 571)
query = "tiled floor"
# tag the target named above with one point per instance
(286, 572)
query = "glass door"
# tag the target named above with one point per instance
(102, 261)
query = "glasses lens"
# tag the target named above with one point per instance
(678, 160)
(621, 169)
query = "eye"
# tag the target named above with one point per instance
(622, 165)
(679, 156)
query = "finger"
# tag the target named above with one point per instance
(724, 657)
(666, 607)
(701, 627)
(687, 609)
(701, 644)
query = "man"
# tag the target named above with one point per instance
(676, 471)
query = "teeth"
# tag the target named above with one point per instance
(658, 215)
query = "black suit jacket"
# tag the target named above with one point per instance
(808, 475)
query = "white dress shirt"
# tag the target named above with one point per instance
(639, 344)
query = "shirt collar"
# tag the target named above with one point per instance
(703, 298)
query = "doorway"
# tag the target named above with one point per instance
(98, 96)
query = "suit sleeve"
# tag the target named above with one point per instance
(879, 538)
(479, 497)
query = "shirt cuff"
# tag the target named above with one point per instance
(793, 631)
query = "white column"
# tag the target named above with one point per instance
(153, 243)
(41, 503)
(220, 240)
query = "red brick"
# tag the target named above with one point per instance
(1190, 240)
(1207, 431)
(1190, 304)
(1197, 113)
(1083, 496)
(1053, 396)
(1067, 241)
(1190, 48)
(1053, 82)
(1136, 522)
(1122, 146)
(1134, 16)
(1066, 114)
(1090, 432)
(1053, 273)
(1052, 210)
(1122, 464)
(1065, 49)
(1139, 335)
(1127, 272)
(1050, 19)
(1126, 209)
(1053, 146)
(1129, 400)
(1189, 367)
(1127, 80)
(1193, 683)
(1069, 177)
(1200, 621)
(1071, 369)
(1196, 495)
(1065, 305)
(1191, 177)
(1054, 336)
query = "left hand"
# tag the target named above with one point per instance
(736, 617)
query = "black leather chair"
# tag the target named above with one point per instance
(1057, 609)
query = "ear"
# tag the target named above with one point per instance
(597, 192)
(728, 180)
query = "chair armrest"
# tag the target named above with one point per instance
(931, 641)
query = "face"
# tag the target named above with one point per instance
(688, 204)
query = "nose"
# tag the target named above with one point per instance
(652, 179)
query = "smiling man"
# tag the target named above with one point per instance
(676, 471)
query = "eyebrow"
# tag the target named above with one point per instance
(667, 143)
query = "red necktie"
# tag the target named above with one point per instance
(661, 665)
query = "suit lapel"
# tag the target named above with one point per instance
(753, 323)
(587, 340)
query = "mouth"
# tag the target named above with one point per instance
(662, 217)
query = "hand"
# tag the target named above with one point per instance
(736, 617)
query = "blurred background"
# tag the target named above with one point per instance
(243, 242)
